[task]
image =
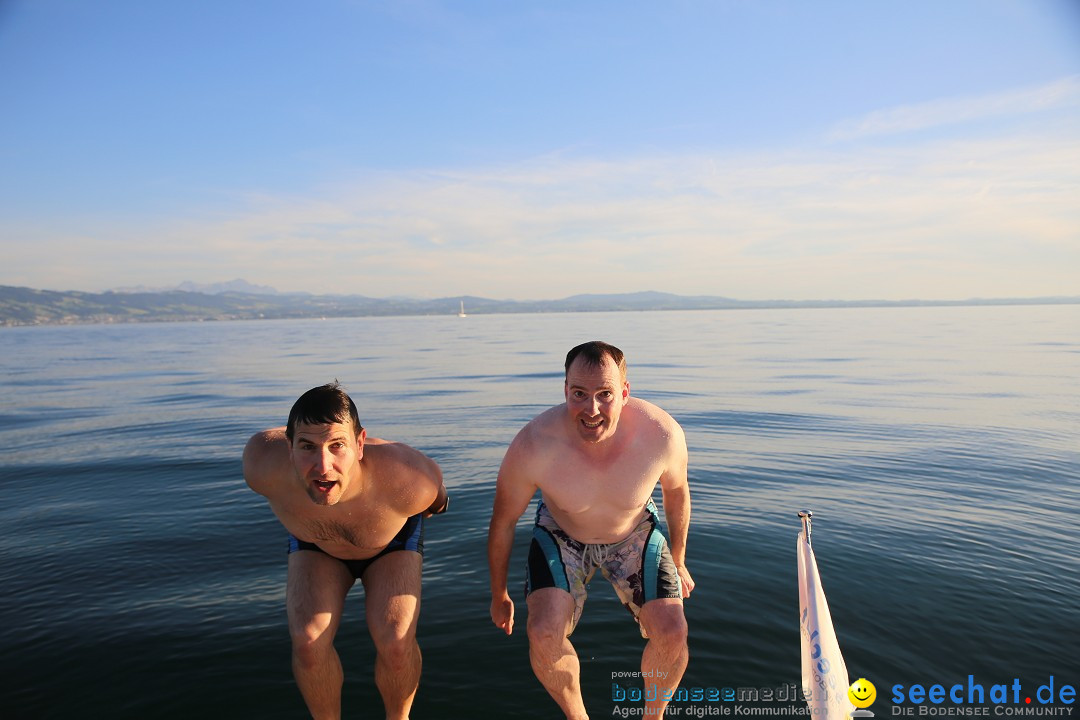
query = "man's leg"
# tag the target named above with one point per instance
(392, 600)
(315, 598)
(551, 614)
(666, 653)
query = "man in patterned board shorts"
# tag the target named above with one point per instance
(596, 460)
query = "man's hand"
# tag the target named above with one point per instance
(687, 581)
(502, 612)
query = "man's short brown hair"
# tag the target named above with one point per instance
(321, 406)
(593, 354)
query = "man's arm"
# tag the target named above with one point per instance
(263, 454)
(676, 491)
(442, 500)
(427, 493)
(513, 491)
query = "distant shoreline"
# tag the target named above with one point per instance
(20, 307)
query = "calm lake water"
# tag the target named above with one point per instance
(937, 448)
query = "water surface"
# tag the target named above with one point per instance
(936, 446)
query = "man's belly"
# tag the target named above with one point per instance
(597, 525)
(341, 541)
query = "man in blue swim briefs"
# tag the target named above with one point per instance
(596, 460)
(354, 508)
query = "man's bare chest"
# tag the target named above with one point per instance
(627, 480)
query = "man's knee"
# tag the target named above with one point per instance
(311, 641)
(395, 643)
(666, 625)
(547, 624)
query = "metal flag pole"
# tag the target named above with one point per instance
(806, 515)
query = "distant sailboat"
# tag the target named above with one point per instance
(461, 312)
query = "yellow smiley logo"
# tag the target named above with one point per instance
(862, 693)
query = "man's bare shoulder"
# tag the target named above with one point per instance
(539, 433)
(535, 446)
(266, 460)
(401, 467)
(655, 422)
(397, 457)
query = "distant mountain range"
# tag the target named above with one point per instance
(240, 300)
(237, 286)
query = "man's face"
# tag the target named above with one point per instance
(324, 458)
(595, 396)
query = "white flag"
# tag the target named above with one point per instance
(824, 674)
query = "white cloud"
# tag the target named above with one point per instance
(942, 219)
(1062, 93)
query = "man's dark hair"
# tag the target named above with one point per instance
(321, 406)
(593, 354)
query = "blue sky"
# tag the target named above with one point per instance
(757, 150)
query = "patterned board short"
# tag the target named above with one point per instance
(640, 567)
